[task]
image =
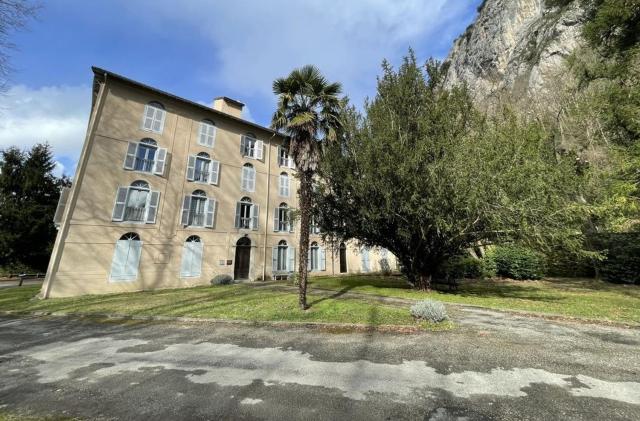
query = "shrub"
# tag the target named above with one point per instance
(622, 262)
(265, 278)
(293, 278)
(222, 280)
(517, 262)
(467, 267)
(429, 310)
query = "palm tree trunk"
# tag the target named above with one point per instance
(305, 224)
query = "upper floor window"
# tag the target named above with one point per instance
(282, 219)
(248, 180)
(126, 258)
(284, 160)
(251, 147)
(314, 228)
(283, 185)
(203, 169)
(207, 133)
(198, 210)
(191, 265)
(145, 156)
(317, 258)
(136, 203)
(247, 214)
(283, 258)
(153, 119)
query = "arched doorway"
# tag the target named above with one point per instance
(343, 258)
(243, 259)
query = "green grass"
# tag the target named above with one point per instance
(583, 298)
(232, 302)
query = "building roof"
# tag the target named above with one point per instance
(100, 73)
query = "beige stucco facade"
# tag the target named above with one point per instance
(83, 256)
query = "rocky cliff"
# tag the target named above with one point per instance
(516, 47)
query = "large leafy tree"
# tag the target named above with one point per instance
(29, 195)
(424, 175)
(308, 113)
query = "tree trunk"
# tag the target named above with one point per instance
(424, 282)
(305, 225)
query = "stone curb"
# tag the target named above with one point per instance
(335, 327)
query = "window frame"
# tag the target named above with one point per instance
(158, 110)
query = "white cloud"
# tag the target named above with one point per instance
(55, 114)
(256, 41)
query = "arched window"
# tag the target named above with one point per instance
(250, 147)
(207, 133)
(284, 185)
(149, 141)
(283, 258)
(317, 258)
(145, 156)
(126, 258)
(201, 168)
(282, 219)
(248, 181)
(136, 203)
(198, 210)
(284, 160)
(191, 266)
(247, 214)
(153, 119)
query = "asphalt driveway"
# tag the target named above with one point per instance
(495, 366)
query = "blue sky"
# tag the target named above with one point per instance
(200, 49)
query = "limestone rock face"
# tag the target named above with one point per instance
(517, 47)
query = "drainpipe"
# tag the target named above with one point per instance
(266, 223)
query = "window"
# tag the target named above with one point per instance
(284, 160)
(282, 219)
(250, 147)
(248, 181)
(198, 210)
(191, 266)
(283, 258)
(207, 133)
(364, 258)
(145, 156)
(126, 258)
(153, 119)
(317, 258)
(284, 185)
(314, 228)
(201, 168)
(136, 203)
(247, 214)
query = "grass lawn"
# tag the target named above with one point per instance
(584, 298)
(219, 302)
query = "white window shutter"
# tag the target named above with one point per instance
(243, 145)
(255, 216)
(153, 200)
(147, 118)
(291, 254)
(120, 203)
(187, 258)
(274, 259)
(238, 208)
(290, 219)
(323, 259)
(276, 220)
(244, 179)
(202, 134)
(210, 213)
(259, 150)
(130, 158)
(119, 259)
(158, 120)
(133, 259)
(160, 162)
(186, 206)
(191, 167)
(212, 135)
(279, 152)
(214, 167)
(197, 249)
(309, 268)
(252, 180)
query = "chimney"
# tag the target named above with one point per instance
(228, 106)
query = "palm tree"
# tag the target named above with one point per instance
(309, 114)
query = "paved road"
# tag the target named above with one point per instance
(493, 367)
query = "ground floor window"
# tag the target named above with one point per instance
(364, 257)
(126, 258)
(317, 258)
(191, 266)
(283, 258)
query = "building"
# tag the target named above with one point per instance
(170, 193)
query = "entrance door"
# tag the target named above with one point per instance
(243, 259)
(343, 258)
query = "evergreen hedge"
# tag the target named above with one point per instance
(517, 262)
